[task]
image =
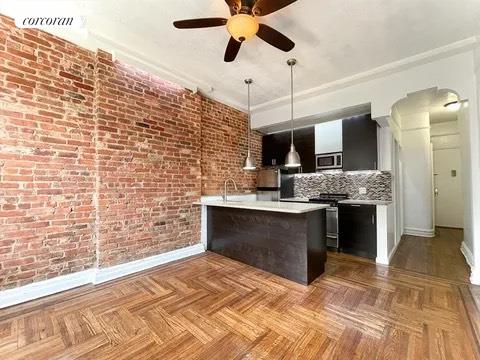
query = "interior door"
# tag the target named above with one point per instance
(448, 188)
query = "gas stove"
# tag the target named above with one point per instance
(330, 199)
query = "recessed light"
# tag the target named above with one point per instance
(453, 105)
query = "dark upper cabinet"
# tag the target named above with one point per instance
(276, 146)
(359, 135)
(357, 230)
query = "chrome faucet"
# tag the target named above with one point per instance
(225, 188)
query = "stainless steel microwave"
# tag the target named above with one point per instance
(328, 161)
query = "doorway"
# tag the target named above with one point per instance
(433, 206)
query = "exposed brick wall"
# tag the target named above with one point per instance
(224, 147)
(47, 173)
(149, 164)
(99, 162)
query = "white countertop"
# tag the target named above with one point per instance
(295, 199)
(285, 207)
(365, 202)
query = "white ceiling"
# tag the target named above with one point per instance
(334, 38)
(431, 101)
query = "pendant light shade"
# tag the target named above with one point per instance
(292, 159)
(249, 162)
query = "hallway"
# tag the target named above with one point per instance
(439, 256)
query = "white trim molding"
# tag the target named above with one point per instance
(114, 272)
(419, 232)
(92, 276)
(385, 233)
(44, 288)
(382, 234)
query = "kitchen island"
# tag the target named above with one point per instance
(286, 239)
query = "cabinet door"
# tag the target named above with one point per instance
(359, 135)
(276, 146)
(357, 230)
(328, 137)
(304, 140)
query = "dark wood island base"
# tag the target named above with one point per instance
(289, 245)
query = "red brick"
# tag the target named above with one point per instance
(83, 86)
(22, 54)
(139, 138)
(20, 81)
(70, 76)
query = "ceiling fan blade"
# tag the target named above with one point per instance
(234, 6)
(199, 23)
(265, 7)
(275, 38)
(232, 50)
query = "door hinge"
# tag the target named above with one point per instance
(373, 219)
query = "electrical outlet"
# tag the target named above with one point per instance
(362, 191)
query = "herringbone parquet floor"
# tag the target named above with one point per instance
(210, 307)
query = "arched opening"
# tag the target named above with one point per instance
(430, 174)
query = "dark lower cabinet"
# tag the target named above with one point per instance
(357, 230)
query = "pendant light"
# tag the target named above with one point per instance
(292, 159)
(249, 163)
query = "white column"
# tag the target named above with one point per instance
(417, 175)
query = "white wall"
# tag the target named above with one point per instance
(385, 149)
(417, 175)
(397, 175)
(445, 135)
(470, 187)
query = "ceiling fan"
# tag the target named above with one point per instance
(243, 25)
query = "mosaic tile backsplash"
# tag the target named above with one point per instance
(377, 183)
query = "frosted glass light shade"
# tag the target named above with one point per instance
(242, 27)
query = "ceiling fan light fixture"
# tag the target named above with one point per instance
(242, 27)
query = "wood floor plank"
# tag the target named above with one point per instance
(211, 307)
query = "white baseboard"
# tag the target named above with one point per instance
(474, 276)
(382, 260)
(114, 272)
(419, 232)
(43, 288)
(92, 276)
(474, 272)
(467, 253)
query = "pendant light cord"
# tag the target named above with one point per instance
(249, 118)
(291, 100)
